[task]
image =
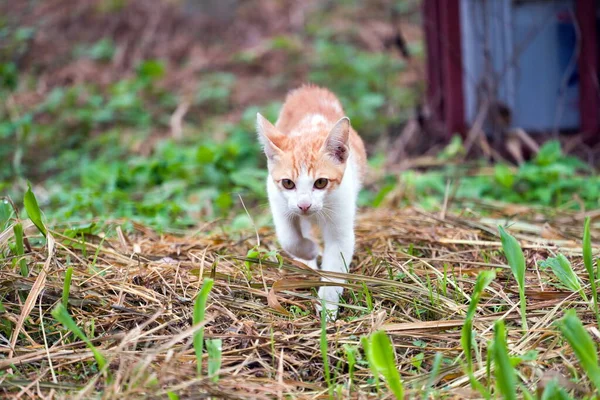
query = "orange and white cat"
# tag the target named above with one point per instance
(316, 164)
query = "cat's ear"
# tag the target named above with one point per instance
(336, 144)
(269, 136)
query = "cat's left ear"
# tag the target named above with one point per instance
(269, 137)
(336, 144)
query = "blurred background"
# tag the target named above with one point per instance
(145, 109)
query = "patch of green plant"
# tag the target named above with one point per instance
(551, 179)
(504, 371)
(67, 287)
(582, 344)
(214, 348)
(382, 361)
(483, 280)
(516, 261)
(589, 265)
(561, 267)
(198, 317)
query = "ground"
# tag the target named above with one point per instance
(412, 277)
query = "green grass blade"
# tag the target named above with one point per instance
(199, 312)
(435, 370)
(516, 261)
(20, 249)
(366, 344)
(324, 350)
(67, 287)
(554, 392)
(483, 280)
(172, 396)
(350, 352)
(61, 314)
(214, 348)
(33, 210)
(582, 344)
(589, 265)
(503, 369)
(561, 267)
(383, 357)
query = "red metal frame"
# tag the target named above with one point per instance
(589, 102)
(444, 63)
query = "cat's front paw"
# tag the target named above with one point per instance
(331, 295)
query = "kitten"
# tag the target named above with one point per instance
(316, 164)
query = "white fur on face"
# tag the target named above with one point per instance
(303, 194)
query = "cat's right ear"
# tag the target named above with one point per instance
(269, 136)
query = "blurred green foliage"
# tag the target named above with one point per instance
(80, 143)
(550, 179)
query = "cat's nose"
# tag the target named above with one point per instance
(304, 206)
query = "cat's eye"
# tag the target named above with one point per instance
(288, 184)
(321, 183)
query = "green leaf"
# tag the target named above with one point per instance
(516, 261)
(20, 249)
(589, 265)
(582, 344)
(554, 392)
(503, 371)
(383, 357)
(33, 210)
(198, 317)
(214, 348)
(67, 287)
(564, 272)
(504, 175)
(549, 153)
(483, 280)
(151, 70)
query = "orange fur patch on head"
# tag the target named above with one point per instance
(305, 121)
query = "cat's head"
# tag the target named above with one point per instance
(306, 166)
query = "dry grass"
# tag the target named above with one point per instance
(133, 294)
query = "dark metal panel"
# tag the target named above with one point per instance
(589, 102)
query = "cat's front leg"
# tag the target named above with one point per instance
(339, 249)
(291, 239)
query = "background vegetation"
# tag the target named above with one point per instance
(100, 132)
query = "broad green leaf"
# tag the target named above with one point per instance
(514, 255)
(563, 271)
(33, 210)
(582, 344)
(516, 261)
(384, 358)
